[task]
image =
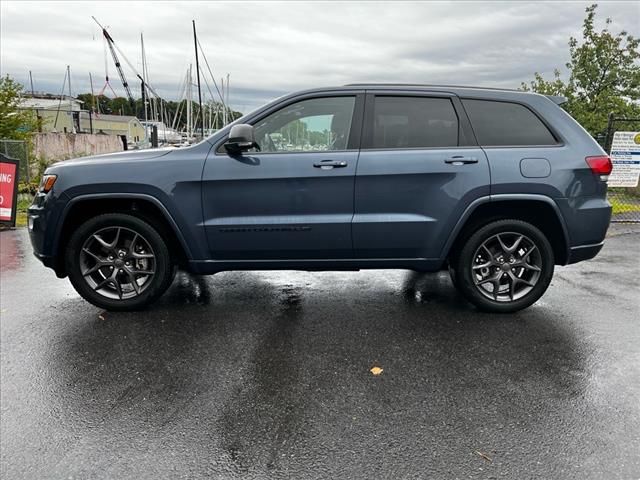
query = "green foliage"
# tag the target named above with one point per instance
(604, 76)
(15, 124)
(28, 187)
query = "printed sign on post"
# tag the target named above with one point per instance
(625, 157)
(8, 190)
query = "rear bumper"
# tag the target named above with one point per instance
(587, 220)
(584, 252)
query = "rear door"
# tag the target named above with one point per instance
(419, 169)
(293, 199)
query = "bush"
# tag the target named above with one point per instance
(28, 187)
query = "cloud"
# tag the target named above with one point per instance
(271, 48)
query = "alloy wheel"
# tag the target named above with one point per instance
(117, 262)
(506, 266)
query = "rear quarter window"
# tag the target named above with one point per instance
(506, 124)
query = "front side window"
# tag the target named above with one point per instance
(414, 122)
(318, 124)
(506, 124)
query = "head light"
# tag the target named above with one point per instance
(47, 182)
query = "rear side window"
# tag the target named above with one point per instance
(505, 123)
(414, 122)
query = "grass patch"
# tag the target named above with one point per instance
(21, 212)
(619, 207)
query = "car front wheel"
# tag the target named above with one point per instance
(118, 262)
(504, 266)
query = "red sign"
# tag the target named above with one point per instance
(8, 190)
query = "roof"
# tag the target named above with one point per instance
(50, 103)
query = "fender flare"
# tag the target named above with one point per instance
(129, 196)
(501, 198)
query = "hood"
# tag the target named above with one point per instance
(126, 156)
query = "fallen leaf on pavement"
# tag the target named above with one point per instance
(376, 370)
(483, 455)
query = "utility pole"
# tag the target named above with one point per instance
(195, 45)
(31, 81)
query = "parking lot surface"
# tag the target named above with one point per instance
(268, 375)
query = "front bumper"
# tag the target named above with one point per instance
(41, 223)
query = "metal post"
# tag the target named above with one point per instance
(26, 157)
(154, 136)
(609, 137)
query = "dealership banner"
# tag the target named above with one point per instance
(625, 157)
(8, 190)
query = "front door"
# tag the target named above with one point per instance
(419, 169)
(293, 199)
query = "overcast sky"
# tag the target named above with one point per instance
(271, 48)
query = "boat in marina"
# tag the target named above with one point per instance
(166, 135)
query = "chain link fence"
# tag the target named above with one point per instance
(625, 203)
(18, 150)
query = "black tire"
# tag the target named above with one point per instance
(464, 262)
(163, 272)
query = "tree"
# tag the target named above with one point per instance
(15, 124)
(604, 76)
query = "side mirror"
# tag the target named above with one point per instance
(241, 139)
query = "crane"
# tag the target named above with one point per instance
(116, 60)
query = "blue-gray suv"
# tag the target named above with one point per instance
(498, 186)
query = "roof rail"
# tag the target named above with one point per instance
(427, 85)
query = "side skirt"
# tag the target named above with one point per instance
(207, 267)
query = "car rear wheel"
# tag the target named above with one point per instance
(504, 266)
(118, 262)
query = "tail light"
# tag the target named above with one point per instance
(600, 165)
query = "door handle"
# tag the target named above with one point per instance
(460, 160)
(328, 164)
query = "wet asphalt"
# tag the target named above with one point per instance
(267, 375)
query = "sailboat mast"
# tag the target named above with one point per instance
(224, 107)
(144, 79)
(73, 125)
(226, 101)
(195, 45)
(189, 103)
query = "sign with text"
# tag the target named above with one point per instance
(625, 157)
(8, 190)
